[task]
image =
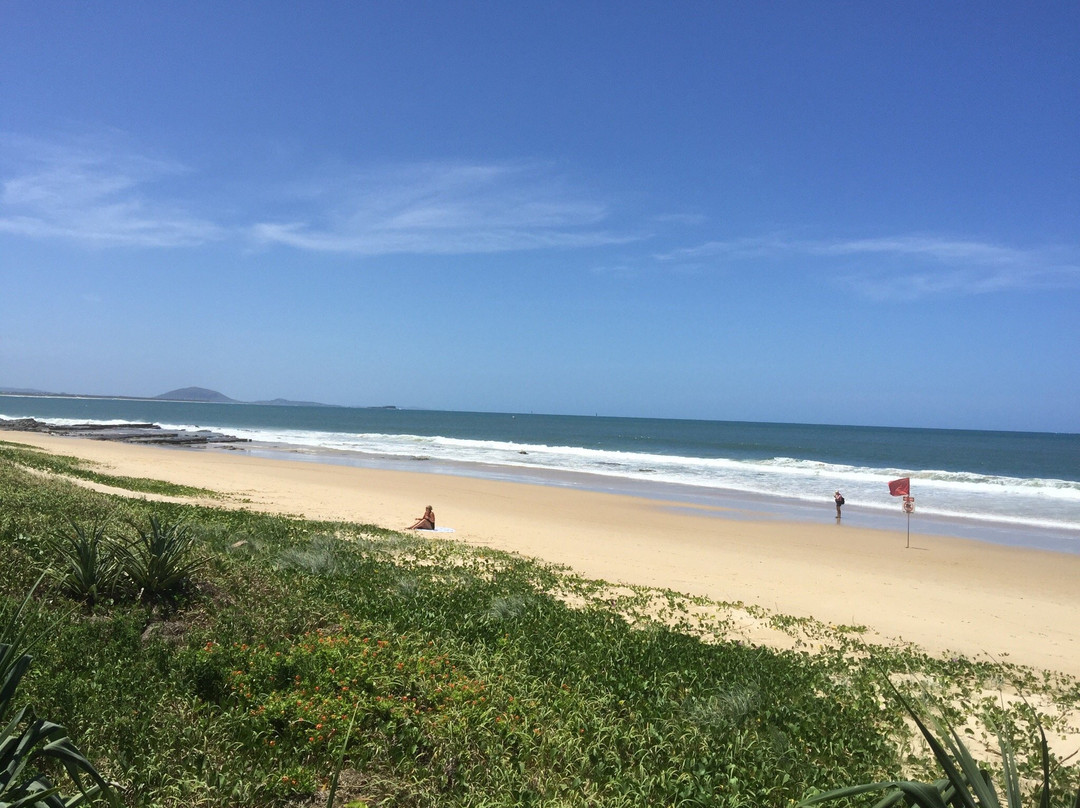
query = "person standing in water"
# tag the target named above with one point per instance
(838, 498)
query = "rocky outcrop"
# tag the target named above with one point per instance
(125, 433)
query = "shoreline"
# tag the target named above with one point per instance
(727, 501)
(1018, 490)
(946, 595)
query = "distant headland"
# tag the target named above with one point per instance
(147, 433)
(214, 397)
(185, 394)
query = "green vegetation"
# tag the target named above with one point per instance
(160, 564)
(157, 565)
(30, 744)
(965, 783)
(74, 467)
(296, 663)
(86, 567)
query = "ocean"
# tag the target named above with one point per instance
(1020, 488)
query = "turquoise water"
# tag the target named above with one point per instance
(1018, 487)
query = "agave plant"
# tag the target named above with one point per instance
(26, 740)
(161, 561)
(965, 785)
(88, 568)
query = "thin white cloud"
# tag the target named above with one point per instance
(736, 249)
(913, 285)
(901, 266)
(444, 208)
(95, 192)
(939, 249)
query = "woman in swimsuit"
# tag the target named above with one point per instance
(425, 522)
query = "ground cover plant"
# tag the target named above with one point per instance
(398, 670)
(80, 469)
(32, 747)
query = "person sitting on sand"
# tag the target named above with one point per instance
(425, 522)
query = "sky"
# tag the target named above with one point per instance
(814, 212)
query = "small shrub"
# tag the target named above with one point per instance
(160, 562)
(966, 783)
(88, 569)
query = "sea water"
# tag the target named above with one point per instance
(1010, 487)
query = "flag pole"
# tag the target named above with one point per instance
(902, 488)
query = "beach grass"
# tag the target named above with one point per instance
(308, 663)
(64, 466)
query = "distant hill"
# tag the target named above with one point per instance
(214, 397)
(196, 394)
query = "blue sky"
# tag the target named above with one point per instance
(863, 213)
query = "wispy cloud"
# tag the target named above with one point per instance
(92, 191)
(901, 266)
(938, 249)
(445, 208)
(97, 191)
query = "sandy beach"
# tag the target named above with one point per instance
(943, 594)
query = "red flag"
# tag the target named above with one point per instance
(899, 488)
